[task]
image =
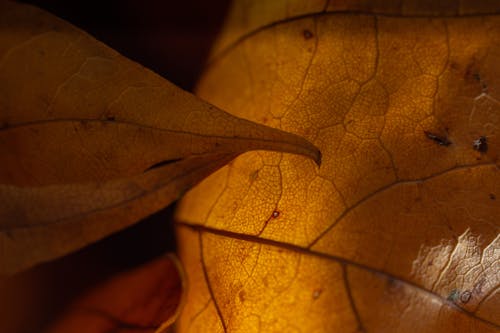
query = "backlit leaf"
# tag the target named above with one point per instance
(398, 229)
(92, 142)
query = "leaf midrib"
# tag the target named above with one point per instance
(200, 229)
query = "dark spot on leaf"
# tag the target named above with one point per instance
(253, 175)
(394, 286)
(454, 65)
(472, 74)
(465, 296)
(492, 196)
(317, 293)
(241, 296)
(162, 163)
(275, 214)
(472, 71)
(110, 118)
(307, 34)
(440, 140)
(85, 124)
(480, 144)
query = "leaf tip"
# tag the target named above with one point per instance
(312, 152)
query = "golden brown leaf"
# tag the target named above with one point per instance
(41, 223)
(398, 231)
(81, 128)
(145, 299)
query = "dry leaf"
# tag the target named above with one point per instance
(41, 223)
(145, 299)
(398, 229)
(91, 142)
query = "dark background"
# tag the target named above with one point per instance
(173, 38)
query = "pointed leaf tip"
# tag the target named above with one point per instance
(298, 145)
(88, 159)
(308, 149)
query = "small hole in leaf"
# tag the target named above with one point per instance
(307, 34)
(440, 140)
(480, 144)
(317, 293)
(465, 296)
